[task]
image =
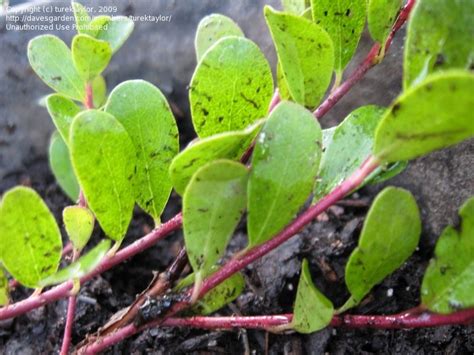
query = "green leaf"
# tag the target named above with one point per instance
(211, 29)
(79, 224)
(81, 17)
(305, 53)
(284, 92)
(433, 115)
(115, 31)
(80, 267)
(62, 111)
(91, 56)
(284, 166)
(381, 15)
(231, 87)
(296, 7)
(99, 90)
(60, 163)
(213, 204)
(4, 292)
(312, 310)
(146, 116)
(52, 61)
(390, 235)
(350, 144)
(30, 238)
(439, 37)
(104, 160)
(98, 24)
(228, 145)
(344, 20)
(448, 284)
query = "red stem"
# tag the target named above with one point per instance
(71, 311)
(89, 99)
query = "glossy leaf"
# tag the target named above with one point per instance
(116, 31)
(211, 29)
(79, 224)
(80, 267)
(91, 56)
(60, 163)
(297, 7)
(389, 236)
(81, 16)
(312, 310)
(62, 111)
(30, 238)
(344, 20)
(381, 15)
(439, 37)
(4, 292)
(228, 145)
(99, 90)
(448, 284)
(231, 87)
(305, 53)
(52, 61)
(284, 166)
(351, 143)
(433, 115)
(213, 204)
(146, 116)
(104, 160)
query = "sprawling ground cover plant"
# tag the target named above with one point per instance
(260, 152)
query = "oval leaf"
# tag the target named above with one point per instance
(231, 87)
(439, 37)
(381, 15)
(433, 115)
(228, 145)
(312, 310)
(213, 204)
(80, 267)
(104, 160)
(211, 29)
(79, 224)
(344, 20)
(30, 238)
(4, 293)
(283, 170)
(91, 56)
(60, 163)
(305, 53)
(144, 112)
(448, 284)
(115, 31)
(62, 111)
(350, 145)
(81, 17)
(390, 235)
(52, 61)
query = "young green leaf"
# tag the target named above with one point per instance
(211, 29)
(312, 310)
(381, 15)
(4, 293)
(80, 267)
(144, 112)
(81, 17)
(62, 111)
(30, 238)
(390, 235)
(227, 145)
(305, 53)
(439, 37)
(104, 161)
(79, 224)
(99, 90)
(448, 284)
(284, 92)
(60, 163)
(231, 87)
(91, 56)
(344, 20)
(350, 145)
(52, 61)
(432, 115)
(98, 24)
(213, 204)
(283, 169)
(115, 31)
(296, 7)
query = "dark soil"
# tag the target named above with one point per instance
(271, 286)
